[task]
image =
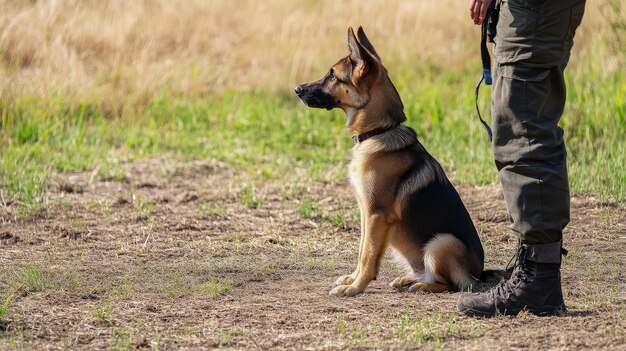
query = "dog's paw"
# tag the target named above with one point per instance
(418, 287)
(344, 280)
(402, 282)
(428, 287)
(345, 290)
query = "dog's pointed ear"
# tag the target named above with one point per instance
(362, 59)
(353, 45)
(365, 42)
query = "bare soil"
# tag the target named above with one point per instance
(175, 257)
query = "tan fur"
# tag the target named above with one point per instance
(444, 259)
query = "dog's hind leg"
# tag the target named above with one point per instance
(408, 256)
(445, 263)
(402, 283)
(428, 287)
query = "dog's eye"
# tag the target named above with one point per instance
(332, 75)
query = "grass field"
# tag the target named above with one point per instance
(92, 85)
(154, 134)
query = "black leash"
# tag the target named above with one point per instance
(487, 82)
(487, 33)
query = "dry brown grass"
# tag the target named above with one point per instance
(129, 50)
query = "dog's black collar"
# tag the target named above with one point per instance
(359, 138)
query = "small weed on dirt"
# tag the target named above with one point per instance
(104, 313)
(251, 197)
(181, 286)
(433, 328)
(4, 309)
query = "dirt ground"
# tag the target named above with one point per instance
(186, 255)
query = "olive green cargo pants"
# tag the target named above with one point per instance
(532, 48)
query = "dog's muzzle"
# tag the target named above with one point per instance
(314, 97)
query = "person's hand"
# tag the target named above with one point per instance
(478, 10)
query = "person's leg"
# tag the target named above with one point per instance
(528, 98)
(529, 151)
(532, 49)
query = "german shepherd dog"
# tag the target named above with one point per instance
(405, 199)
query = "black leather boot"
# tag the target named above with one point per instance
(534, 285)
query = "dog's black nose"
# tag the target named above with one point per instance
(298, 90)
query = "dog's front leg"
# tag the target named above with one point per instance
(348, 279)
(373, 245)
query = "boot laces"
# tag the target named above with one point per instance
(519, 275)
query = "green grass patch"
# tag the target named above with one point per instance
(309, 209)
(104, 313)
(179, 286)
(353, 332)
(6, 301)
(211, 209)
(271, 135)
(35, 278)
(123, 337)
(250, 196)
(433, 329)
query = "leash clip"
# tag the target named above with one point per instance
(487, 75)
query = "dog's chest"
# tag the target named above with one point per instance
(360, 177)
